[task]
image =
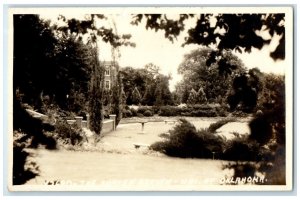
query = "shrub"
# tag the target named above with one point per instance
(203, 113)
(200, 107)
(66, 114)
(28, 132)
(242, 149)
(240, 114)
(143, 109)
(202, 110)
(192, 111)
(221, 111)
(32, 127)
(106, 113)
(214, 126)
(261, 129)
(160, 147)
(185, 141)
(127, 113)
(133, 112)
(148, 113)
(186, 114)
(241, 170)
(140, 115)
(21, 174)
(164, 135)
(70, 134)
(270, 162)
(155, 109)
(82, 114)
(275, 173)
(169, 111)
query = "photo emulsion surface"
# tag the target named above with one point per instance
(151, 99)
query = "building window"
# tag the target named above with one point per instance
(107, 72)
(107, 85)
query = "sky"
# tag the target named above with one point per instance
(153, 47)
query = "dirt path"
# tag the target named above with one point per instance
(118, 165)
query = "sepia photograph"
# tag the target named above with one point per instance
(150, 99)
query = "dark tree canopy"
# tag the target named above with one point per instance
(226, 31)
(134, 78)
(34, 42)
(157, 22)
(88, 26)
(48, 64)
(197, 74)
(150, 84)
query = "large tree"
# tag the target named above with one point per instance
(72, 72)
(246, 88)
(96, 94)
(134, 78)
(157, 90)
(151, 84)
(162, 93)
(34, 43)
(197, 74)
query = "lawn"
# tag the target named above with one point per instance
(115, 164)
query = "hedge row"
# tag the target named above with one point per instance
(167, 111)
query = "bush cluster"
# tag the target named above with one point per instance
(127, 113)
(148, 113)
(28, 132)
(142, 111)
(69, 134)
(185, 141)
(192, 111)
(169, 111)
(241, 149)
(133, 112)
